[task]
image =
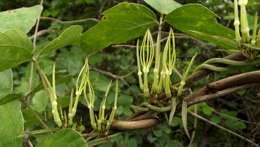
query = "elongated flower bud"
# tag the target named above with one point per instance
(145, 55)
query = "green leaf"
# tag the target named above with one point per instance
(62, 138)
(6, 80)
(199, 22)
(11, 127)
(235, 124)
(174, 143)
(125, 100)
(69, 36)
(119, 24)
(9, 98)
(215, 119)
(15, 48)
(163, 6)
(176, 121)
(40, 101)
(23, 19)
(158, 133)
(207, 110)
(30, 119)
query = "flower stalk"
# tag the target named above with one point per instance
(101, 122)
(81, 83)
(155, 87)
(114, 109)
(168, 63)
(237, 22)
(101, 117)
(244, 21)
(90, 99)
(51, 90)
(253, 41)
(139, 73)
(145, 55)
(184, 77)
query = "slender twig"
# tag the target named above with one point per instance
(124, 46)
(45, 126)
(36, 29)
(42, 32)
(70, 21)
(223, 128)
(192, 100)
(29, 143)
(112, 75)
(156, 108)
(34, 48)
(223, 115)
(132, 125)
(38, 132)
(99, 141)
(229, 82)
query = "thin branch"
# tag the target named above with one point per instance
(70, 21)
(112, 75)
(123, 46)
(42, 32)
(36, 30)
(133, 125)
(229, 82)
(204, 96)
(34, 48)
(29, 143)
(199, 99)
(223, 128)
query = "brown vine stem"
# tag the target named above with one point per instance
(132, 125)
(232, 81)
(192, 101)
(222, 87)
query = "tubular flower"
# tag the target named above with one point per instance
(145, 55)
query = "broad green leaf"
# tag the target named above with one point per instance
(11, 127)
(125, 100)
(69, 36)
(9, 98)
(89, 1)
(40, 101)
(174, 143)
(176, 121)
(199, 22)
(207, 110)
(216, 119)
(119, 24)
(235, 124)
(6, 80)
(100, 81)
(163, 6)
(62, 138)
(23, 19)
(15, 48)
(30, 119)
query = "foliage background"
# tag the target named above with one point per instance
(118, 62)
